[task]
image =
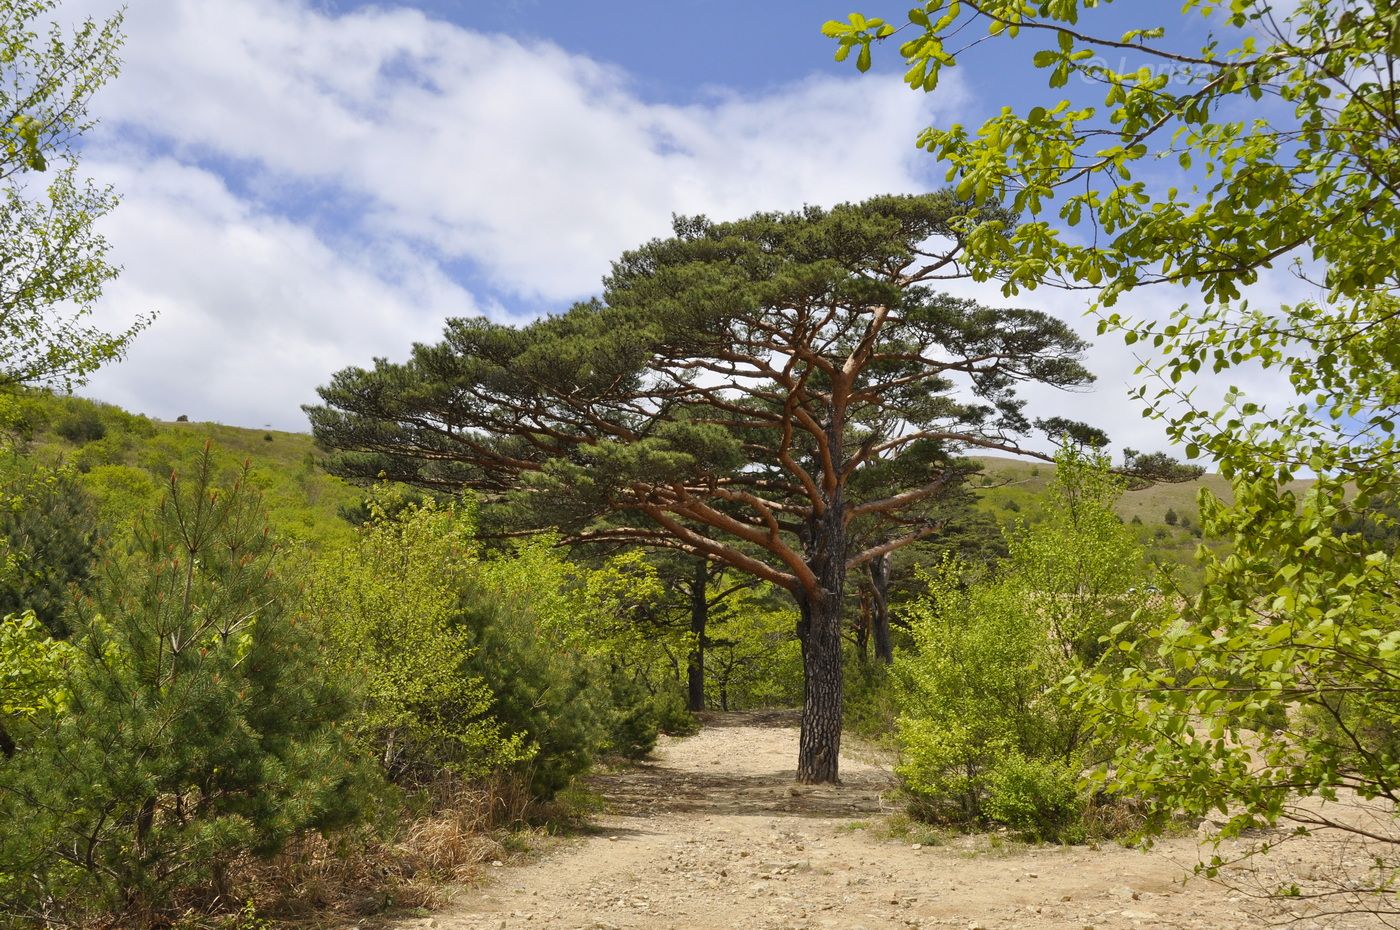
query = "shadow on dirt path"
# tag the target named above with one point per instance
(712, 833)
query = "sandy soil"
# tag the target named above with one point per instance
(713, 833)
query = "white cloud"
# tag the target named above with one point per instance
(1108, 403)
(535, 164)
(326, 173)
(253, 309)
(374, 149)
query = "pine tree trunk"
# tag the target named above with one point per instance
(819, 748)
(699, 617)
(880, 608)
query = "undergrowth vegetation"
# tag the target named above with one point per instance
(346, 708)
(198, 711)
(987, 732)
(235, 689)
(239, 692)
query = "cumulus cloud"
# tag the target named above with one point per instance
(1108, 403)
(534, 164)
(306, 190)
(297, 181)
(253, 309)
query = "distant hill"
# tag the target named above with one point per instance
(124, 460)
(1015, 489)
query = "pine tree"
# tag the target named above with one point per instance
(49, 538)
(197, 727)
(721, 399)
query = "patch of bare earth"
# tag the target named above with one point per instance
(713, 833)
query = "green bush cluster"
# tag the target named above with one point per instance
(987, 733)
(391, 608)
(482, 665)
(49, 535)
(208, 699)
(122, 461)
(191, 721)
(873, 702)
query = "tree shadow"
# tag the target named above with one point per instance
(763, 719)
(651, 789)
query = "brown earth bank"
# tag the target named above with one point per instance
(712, 833)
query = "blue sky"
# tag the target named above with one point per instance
(310, 184)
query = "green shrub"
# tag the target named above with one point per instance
(197, 725)
(672, 716)
(872, 703)
(119, 491)
(82, 427)
(633, 723)
(986, 732)
(32, 667)
(1042, 799)
(49, 541)
(551, 696)
(389, 604)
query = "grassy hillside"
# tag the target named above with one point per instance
(1013, 489)
(124, 460)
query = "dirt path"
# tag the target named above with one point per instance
(713, 834)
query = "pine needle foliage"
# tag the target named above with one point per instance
(198, 724)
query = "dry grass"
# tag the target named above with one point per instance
(443, 841)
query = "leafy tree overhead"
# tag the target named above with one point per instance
(53, 256)
(724, 396)
(1309, 178)
(1279, 682)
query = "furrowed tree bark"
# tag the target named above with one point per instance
(819, 629)
(880, 608)
(819, 748)
(699, 618)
